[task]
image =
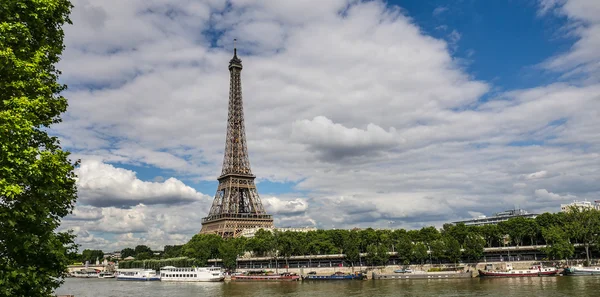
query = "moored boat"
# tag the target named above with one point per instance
(510, 272)
(258, 277)
(86, 273)
(137, 275)
(336, 276)
(106, 274)
(582, 271)
(191, 274)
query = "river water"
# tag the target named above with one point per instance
(506, 287)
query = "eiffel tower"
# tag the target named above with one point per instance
(236, 205)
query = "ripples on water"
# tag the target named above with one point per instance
(508, 287)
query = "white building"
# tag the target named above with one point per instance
(581, 205)
(249, 233)
(498, 217)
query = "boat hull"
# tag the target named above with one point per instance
(434, 275)
(265, 278)
(517, 274)
(574, 271)
(125, 278)
(334, 277)
(192, 279)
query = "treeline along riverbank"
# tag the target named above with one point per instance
(559, 232)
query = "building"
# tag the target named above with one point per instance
(581, 205)
(249, 233)
(498, 217)
(236, 205)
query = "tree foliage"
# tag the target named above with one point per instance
(127, 252)
(91, 256)
(37, 183)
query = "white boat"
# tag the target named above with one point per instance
(137, 275)
(582, 271)
(191, 274)
(85, 273)
(106, 274)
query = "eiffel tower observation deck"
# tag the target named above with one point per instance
(236, 205)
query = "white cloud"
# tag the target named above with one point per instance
(276, 206)
(583, 57)
(439, 10)
(537, 175)
(336, 141)
(101, 184)
(544, 194)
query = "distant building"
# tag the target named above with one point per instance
(498, 217)
(581, 205)
(249, 233)
(115, 255)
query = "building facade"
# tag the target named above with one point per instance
(581, 205)
(498, 217)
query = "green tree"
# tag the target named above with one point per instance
(37, 183)
(286, 243)
(127, 252)
(351, 245)
(492, 234)
(420, 252)
(262, 243)
(438, 249)
(428, 235)
(458, 232)
(473, 247)
(203, 247)
(516, 228)
(230, 249)
(404, 248)
(452, 249)
(558, 243)
(367, 237)
(584, 226)
(172, 251)
(372, 255)
(91, 255)
(143, 256)
(142, 249)
(382, 254)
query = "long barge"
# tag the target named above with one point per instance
(538, 270)
(336, 276)
(425, 275)
(266, 277)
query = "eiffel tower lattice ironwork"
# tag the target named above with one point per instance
(236, 205)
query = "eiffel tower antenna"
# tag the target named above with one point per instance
(236, 205)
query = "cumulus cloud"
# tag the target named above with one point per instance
(101, 184)
(583, 57)
(334, 141)
(276, 206)
(537, 175)
(544, 194)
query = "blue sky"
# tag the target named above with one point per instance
(357, 114)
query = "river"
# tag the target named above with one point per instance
(506, 287)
